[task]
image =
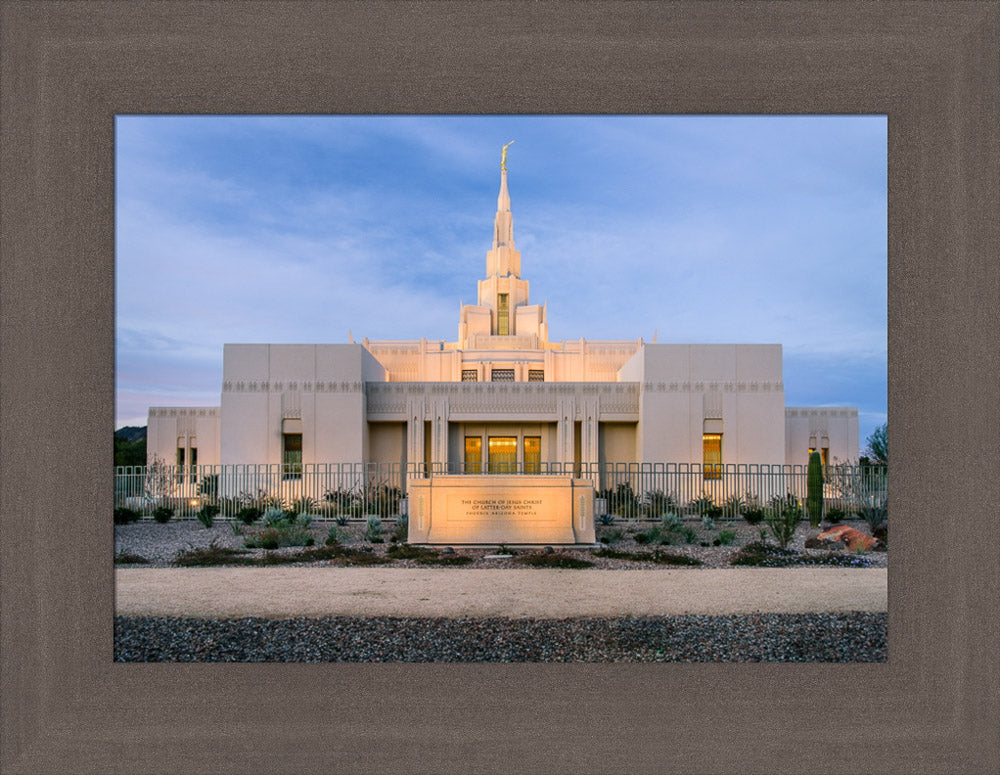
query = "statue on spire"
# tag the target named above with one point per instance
(503, 156)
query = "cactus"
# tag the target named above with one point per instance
(814, 489)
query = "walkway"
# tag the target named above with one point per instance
(453, 593)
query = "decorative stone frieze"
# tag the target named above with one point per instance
(504, 398)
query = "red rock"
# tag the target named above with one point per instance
(854, 539)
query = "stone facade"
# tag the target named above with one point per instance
(502, 381)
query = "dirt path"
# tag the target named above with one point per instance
(452, 593)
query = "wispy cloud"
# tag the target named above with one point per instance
(298, 229)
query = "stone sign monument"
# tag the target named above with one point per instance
(512, 509)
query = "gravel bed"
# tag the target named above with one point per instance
(841, 637)
(159, 544)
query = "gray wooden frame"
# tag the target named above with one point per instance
(68, 68)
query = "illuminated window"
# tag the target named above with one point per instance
(711, 444)
(536, 375)
(473, 455)
(470, 375)
(824, 455)
(291, 455)
(503, 315)
(532, 454)
(503, 454)
(502, 375)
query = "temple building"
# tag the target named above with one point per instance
(501, 397)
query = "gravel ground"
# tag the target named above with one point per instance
(845, 637)
(814, 637)
(159, 544)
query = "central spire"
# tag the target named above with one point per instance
(503, 225)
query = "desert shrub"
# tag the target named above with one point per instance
(656, 503)
(606, 519)
(733, 506)
(162, 514)
(622, 501)
(207, 513)
(332, 535)
(304, 519)
(835, 514)
(274, 517)
(725, 537)
(425, 556)
(278, 536)
(129, 557)
(761, 554)
(782, 516)
(401, 529)
(373, 530)
(249, 514)
(660, 557)
(612, 536)
(752, 512)
(208, 487)
(764, 555)
(304, 504)
(273, 502)
(383, 501)
(707, 522)
(124, 515)
(213, 554)
(689, 534)
(705, 506)
(671, 522)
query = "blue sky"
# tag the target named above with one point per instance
(698, 228)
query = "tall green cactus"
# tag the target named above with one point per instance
(814, 489)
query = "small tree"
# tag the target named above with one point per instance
(814, 489)
(157, 481)
(878, 445)
(863, 490)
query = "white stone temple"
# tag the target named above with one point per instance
(501, 394)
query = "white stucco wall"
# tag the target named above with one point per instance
(683, 385)
(820, 426)
(170, 426)
(319, 388)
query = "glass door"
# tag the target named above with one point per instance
(503, 454)
(473, 455)
(532, 454)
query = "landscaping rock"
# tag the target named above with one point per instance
(854, 539)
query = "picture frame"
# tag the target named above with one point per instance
(69, 68)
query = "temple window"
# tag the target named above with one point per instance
(503, 315)
(711, 444)
(291, 455)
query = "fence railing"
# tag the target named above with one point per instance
(355, 490)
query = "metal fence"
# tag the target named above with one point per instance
(355, 490)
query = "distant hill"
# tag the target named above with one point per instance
(130, 446)
(131, 433)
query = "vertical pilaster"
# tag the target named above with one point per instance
(566, 408)
(439, 433)
(415, 412)
(589, 446)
